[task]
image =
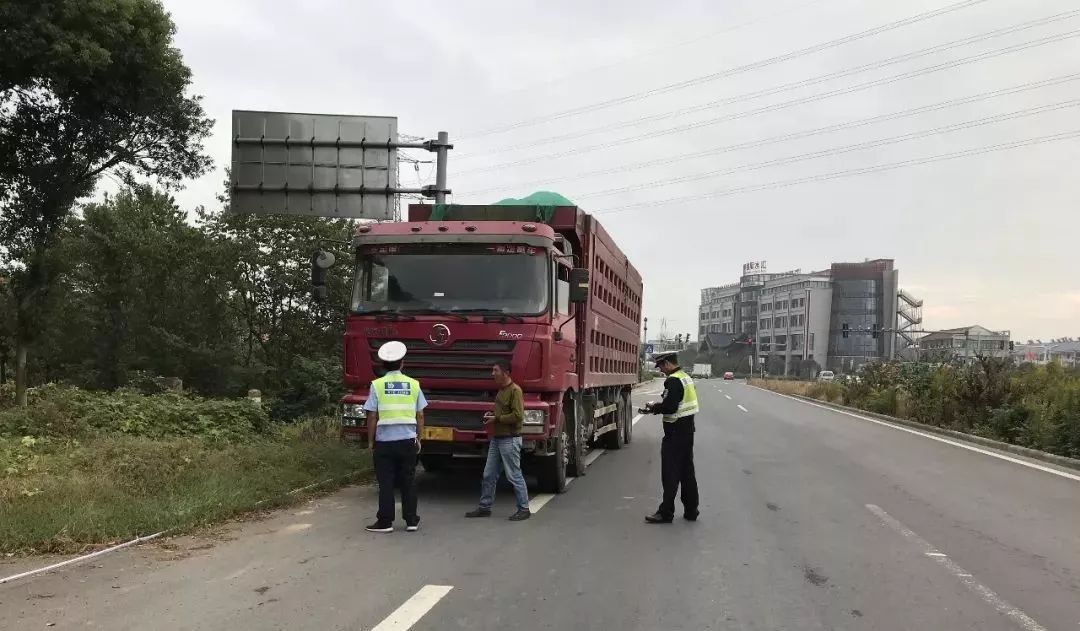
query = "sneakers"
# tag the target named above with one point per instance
(480, 512)
(657, 518)
(413, 527)
(381, 526)
(521, 515)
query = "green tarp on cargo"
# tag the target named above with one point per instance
(545, 203)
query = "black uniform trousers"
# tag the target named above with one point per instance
(395, 466)
(677, 467)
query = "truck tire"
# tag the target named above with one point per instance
(576, 429)
(551, 470)
(628, 418)
(614, 440)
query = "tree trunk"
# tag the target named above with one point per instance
(20, 373)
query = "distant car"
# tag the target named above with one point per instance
(729, 376)
(826, 375)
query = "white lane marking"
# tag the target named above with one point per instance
(728, 396)
(982, 591)
(636, 419)
(540, 500)
(954, 443)
(410, 612)
(743, 409)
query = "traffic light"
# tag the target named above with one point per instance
(1012, 346)
(876, 332)
(845, 330)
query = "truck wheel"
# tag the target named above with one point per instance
(615, 439)
(628, 418)
(551, 470)
(576, 430)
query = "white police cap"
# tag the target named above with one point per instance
(392, 351)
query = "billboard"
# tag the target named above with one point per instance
(319, 165)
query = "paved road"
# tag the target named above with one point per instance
(811, 519)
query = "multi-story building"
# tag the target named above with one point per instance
(838, 318)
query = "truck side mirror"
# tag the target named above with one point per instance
(579, 284)
(321, 261)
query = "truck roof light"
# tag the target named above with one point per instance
(416, 228)
(470, 228)
(443, 228)
(529, 227)
(364, 229)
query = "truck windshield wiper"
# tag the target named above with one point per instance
(393, 315)
(492, 315)
(449, 314)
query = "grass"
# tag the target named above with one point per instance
(821, 390)
(65, 495)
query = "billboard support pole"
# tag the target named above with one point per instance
(441, 146)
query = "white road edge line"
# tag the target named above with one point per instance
(79, 559)
(728, 396)
(947, 441)
(636, 419)
(982, 591)
(410, 612)
(743, 409)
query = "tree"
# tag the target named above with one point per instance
(87, 88)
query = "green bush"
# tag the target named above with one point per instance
(1032, 406)
(64, 411)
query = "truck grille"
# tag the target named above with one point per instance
(458, 419)
(462, 359)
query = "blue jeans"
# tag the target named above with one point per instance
(507, 452)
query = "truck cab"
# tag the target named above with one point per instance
(464, 290)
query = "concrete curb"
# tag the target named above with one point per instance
(1034, 454)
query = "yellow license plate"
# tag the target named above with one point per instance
(439, 433)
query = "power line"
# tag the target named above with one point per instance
(853, 124)
(786, 87)
(652, 51)
(671, 87)
(1027, 142)
(786, 104)
(834, 151)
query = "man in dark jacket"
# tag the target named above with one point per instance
(679, 405)
(505, 447)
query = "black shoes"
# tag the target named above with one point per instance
(521, 515)
(657, 518)
(381, 526)
(480, 512)
(691, 516)
(412, 526)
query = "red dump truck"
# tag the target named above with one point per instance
(545, 288)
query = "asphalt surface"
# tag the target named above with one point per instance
(811, 519)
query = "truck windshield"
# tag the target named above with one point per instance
(452, 279)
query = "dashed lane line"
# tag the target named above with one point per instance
(743, 409)
(410, 612)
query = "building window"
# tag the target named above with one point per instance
(810, 342)
(764, 324)
(796, 342)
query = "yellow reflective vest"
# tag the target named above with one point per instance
(689, 405)
(397, 396)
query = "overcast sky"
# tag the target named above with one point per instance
(989, 239)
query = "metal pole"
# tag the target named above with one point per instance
(440, 167)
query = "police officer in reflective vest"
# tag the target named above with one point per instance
(395, 413)
(679, 405)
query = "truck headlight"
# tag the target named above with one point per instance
(353, 414)
(535, 417)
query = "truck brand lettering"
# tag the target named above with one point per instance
(381, 331)
(513, 336)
